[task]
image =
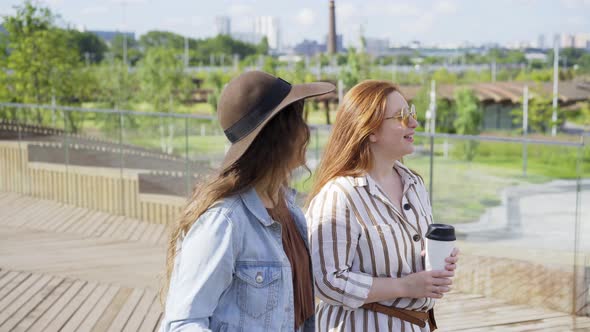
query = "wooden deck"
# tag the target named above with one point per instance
(64, 268)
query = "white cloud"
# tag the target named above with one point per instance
(445, 7)
(129, 2)
(399, 9)
(94, 10)
(425, 22)
(571, 4)
(54, 2)
(577, 21)
(306, 17)
(346, 11)
(240, 10)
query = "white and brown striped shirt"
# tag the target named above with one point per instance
(356, 234)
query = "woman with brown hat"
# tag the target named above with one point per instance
(368, 216)
(238, 259)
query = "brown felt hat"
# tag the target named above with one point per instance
(251, 100)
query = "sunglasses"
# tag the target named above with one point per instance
(405, 115)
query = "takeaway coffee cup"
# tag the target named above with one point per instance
(440, 241)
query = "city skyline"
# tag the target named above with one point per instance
(432, 22)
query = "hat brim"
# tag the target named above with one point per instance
(298, 92)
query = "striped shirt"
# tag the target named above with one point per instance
(356, 233)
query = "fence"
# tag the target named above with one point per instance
(520, 206)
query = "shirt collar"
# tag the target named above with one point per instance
(254, 204)
(407, 176)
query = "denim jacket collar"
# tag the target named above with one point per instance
(254, 204)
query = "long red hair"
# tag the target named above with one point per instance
(347, 152)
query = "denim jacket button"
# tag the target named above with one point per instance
(259, 277)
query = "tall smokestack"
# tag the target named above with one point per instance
(332, 31)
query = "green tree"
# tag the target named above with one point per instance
(90, 47)
(5, 85)
(41, 57)
(584, 62)
(163, 84)
(221, 44)
(118, 49)
(351, 74)
(585, 114)
(442, 76)
(161, 39)
(262, 47)
(116, 88)
(540, 111)
(468, 121)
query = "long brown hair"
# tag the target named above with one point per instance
(280, 145)
(347, 152)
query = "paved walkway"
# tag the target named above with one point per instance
(64, 268)
(539, 216)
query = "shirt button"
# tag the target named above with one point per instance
(259, 277)
(416, 237)
(407, 206)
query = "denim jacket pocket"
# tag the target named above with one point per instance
(258, 288)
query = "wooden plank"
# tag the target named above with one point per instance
(92, 223)
(66, 313)
(111, 231)
(99, 309)
(74, 223)
(140, 311)
(81, 222)
(65, 213)
(80, 315)
(150, 322)
(140, 231)
(49, 315)
(48, 220)
(38, 212)
(30, 319)
(101, 218)
(6, 278)
(38, 297)
(28, 292)
(112, 310)
(13, 288)
(126, 311)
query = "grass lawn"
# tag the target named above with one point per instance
(463, 190)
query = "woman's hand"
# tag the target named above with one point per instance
(452, 260)
(427, 284)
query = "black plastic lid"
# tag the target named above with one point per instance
(441, 232)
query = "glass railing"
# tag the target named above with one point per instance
(521, 207)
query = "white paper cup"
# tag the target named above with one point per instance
(440, 241)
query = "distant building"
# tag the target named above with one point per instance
(309, 48)
(541, 42)
(339, 43)
(582, 40)
(376, 46)
(534, 55)
(268, 26)
(567, 41)
(247, 37)
(108, 36)
(223, 25)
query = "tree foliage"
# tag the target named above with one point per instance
(468, 120)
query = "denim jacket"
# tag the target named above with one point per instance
(231, 272)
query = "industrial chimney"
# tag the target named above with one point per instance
(332, 29)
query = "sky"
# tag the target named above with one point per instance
(441, 22)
